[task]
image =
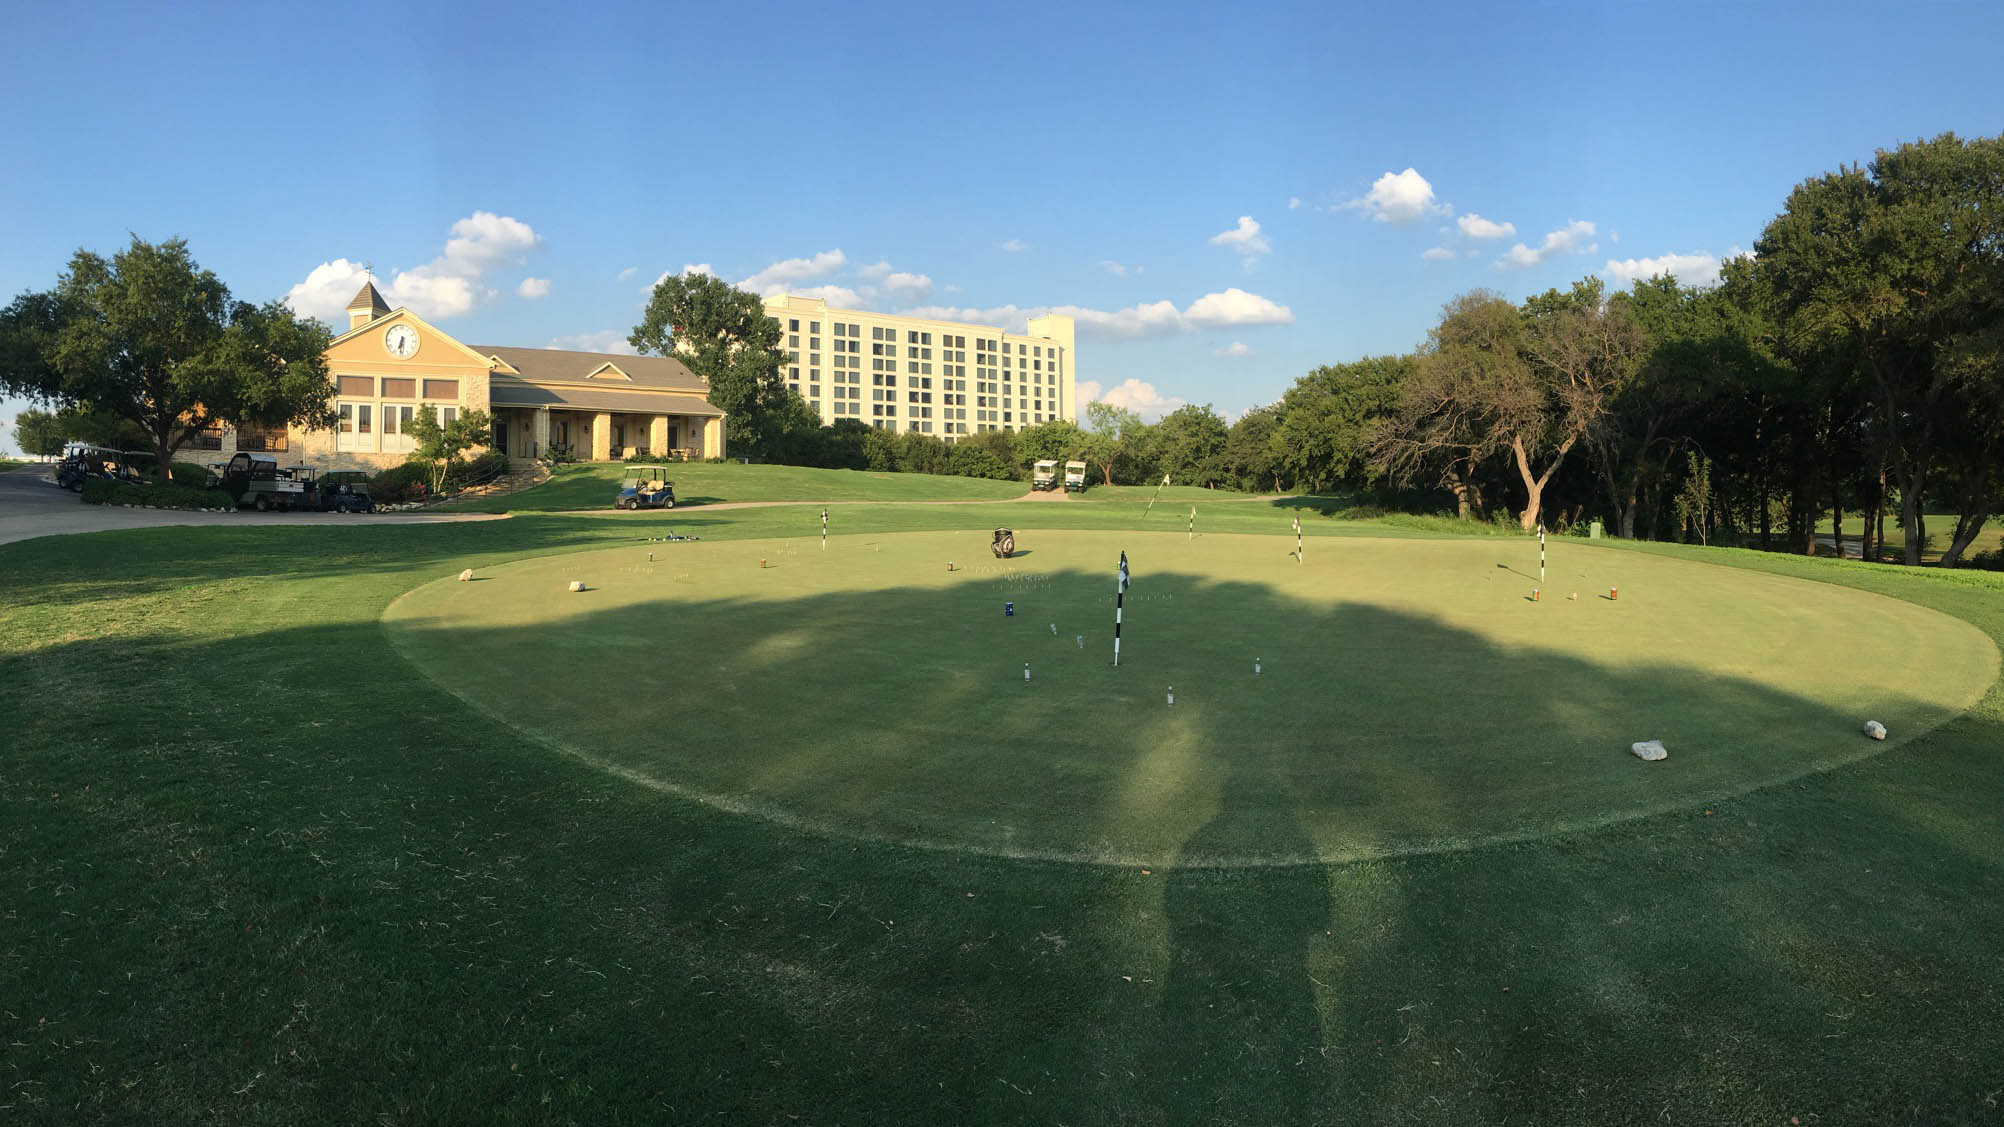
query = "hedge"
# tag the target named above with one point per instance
(103, 491)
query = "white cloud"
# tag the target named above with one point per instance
(605, 340)
(875, 272)
(1015, 245)
(841, 296)
(1400, 197)
(909, 287)
(533, 288)
(628, 273)
(1696, 269)
(1293, 202)
(1436, 254)
(1140, 397)
(688, 270)
(1476, 227)
(1245, 239)
(1569, 239)
(1114, 268)
(781, 277)
(1087, 391)
(447, 286)
(1233, 307)
(1236, 348)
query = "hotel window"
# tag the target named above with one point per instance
(252, 437)
(911, 365)
(363, 411)
(793, 341)
(793, 373)
(344, 421)
(813, 326)
(793, 324)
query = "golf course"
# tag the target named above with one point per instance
(296, 825)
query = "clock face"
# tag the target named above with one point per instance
(401, 341)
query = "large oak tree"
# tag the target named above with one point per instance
(725, 336)
(150, 337)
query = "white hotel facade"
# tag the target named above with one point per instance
(944, 378)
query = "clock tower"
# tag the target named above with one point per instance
(367, 306)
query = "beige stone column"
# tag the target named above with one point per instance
(601, 437)
(657, 436)
(541, 431)
(713, 439)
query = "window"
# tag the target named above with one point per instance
(362, 417)
(344, 421)
(793, 324)
(793, 341)
(394, 388)
(251, 437)
(813, 326)
(355, 385)
(442, 389)
(211, 438)
(446, 415)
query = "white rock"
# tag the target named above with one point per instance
(466, 576)
(577, 585)
(1875, 729)
(1651, 750)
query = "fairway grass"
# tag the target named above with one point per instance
(256, 867)
(1412, 695)
(591, 487)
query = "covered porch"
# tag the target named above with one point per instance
(610, 432)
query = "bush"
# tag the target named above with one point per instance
(189, 474)
(398, 484)
(485, 466)
(103, 491)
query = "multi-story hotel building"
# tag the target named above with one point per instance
(945, 378)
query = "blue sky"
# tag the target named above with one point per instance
(1225, 195)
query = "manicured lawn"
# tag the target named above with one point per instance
(10, 464)
(592, 487)
(257, 867)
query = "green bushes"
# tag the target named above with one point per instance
(398, 484)
(485, 466)
(103, 491)
(189, 474)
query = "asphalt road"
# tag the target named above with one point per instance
(31, 505)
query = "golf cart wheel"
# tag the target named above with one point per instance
(261, 504)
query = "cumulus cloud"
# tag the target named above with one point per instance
(1236, 348)
(781, 277)
(688, 270)
(533, 288)
(841, 296)
(1245, 239)
(1400, 198)
(1569, 239)
(1696, 269)
(1476, 227)
(1087, 391)
(1141, 397)
(605, 340)
(909, 287)
(874, 272)
(1233, 307)
(1015, 245)
(628, 273)
(1436, 254)
(447, 286)
(1293, 202)
(1119, 270)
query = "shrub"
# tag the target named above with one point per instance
(486, 465)
(189, 474)
(102, 491)
(398, 484)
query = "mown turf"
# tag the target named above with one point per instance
(255, 868)
(1377, 660)
(591, 487)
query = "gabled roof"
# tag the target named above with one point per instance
(547, 365)
(368, 298)
(508, 393)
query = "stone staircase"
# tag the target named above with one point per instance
(520, 476)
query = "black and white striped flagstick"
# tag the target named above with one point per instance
(1119, 590)
(1297, 539)
(1541, 553)
(824, 530)
(1193, 522)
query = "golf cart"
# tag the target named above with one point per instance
(1075, 477)
(1004, 545)
(257, 481)
(83, 461)
(346, 491)
(1044, 476)
(646, 487)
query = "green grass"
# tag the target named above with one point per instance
(255, 867)
(593, 486)
(10, 464)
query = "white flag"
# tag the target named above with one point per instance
(1123, 571)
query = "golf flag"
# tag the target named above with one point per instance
(1119, 590)
(1123, 571)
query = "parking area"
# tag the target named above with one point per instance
(31, 505)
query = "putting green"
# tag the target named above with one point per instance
(1411, 695)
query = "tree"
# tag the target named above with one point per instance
(1328, 416)
(1057, 441)
(1253, 451)
(725, 336)
(1190, 445)
(438, 444)
(38, 433)
(1121, 439)
(1880, 268)
(151, 338)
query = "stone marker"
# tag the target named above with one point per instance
(466, 576)
(1875, 729)
(1651, 750)
(577, 585)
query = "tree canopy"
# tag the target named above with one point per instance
(725, 336)
(149, 337)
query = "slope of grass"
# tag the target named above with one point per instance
(10, 464)
(593, 486)
(255, 868)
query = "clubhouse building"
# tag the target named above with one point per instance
(392, 364)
